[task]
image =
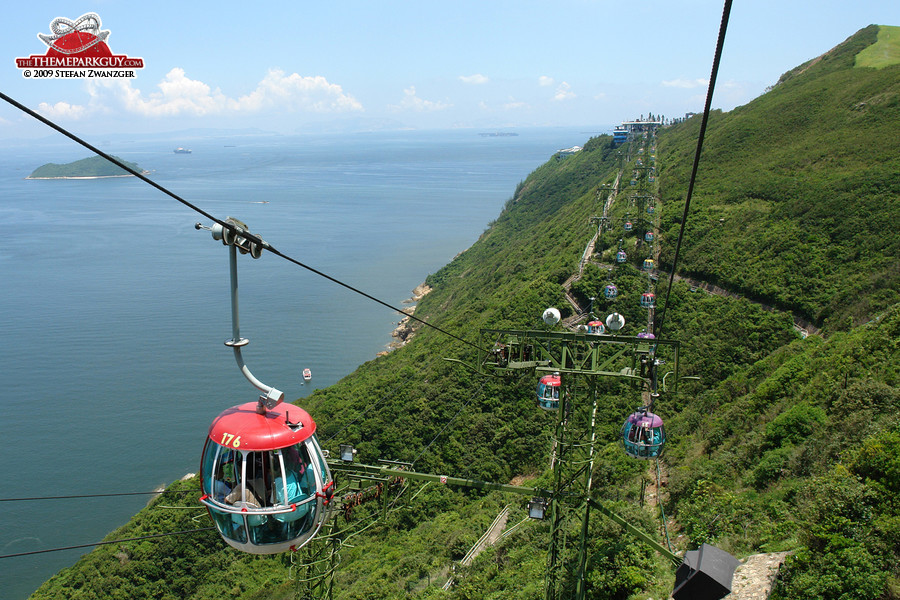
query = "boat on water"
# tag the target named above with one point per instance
(307, 374)
(180, 150)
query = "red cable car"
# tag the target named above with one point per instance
(628, 226)
(264, 478)
(648, 237)
(648, 300)
(263, 475)
(596, 327)
(548, 392)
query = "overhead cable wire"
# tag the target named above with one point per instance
(109, 495)
(246, 234)
(687, 203)
(121, 541)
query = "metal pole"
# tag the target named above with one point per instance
(585, 523)
(272, 396)
(232, 270)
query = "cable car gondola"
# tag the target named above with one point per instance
(263, 475)
(548, 392)
(596, 327)
(649, 264)
(648, 300)
(643, 435)
(264, 478)
(621, 256)
(648, 237)
(628, 226)
(610, 291)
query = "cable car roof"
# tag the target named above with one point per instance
(242, 428)
(550, 380)
(645, 419)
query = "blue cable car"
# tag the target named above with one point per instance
(264, 478)
(621, 256)
(548, 392)
(610, 291)
(648, 300)
(643, 435)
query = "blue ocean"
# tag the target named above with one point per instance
(115, 308)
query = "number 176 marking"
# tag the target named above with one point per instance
(229, 439)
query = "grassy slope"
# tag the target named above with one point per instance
(885, 52)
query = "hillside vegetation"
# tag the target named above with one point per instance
(796, 191)
(784, 443)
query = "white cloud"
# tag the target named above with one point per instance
(476, 79)
(295, 92)
(412, 102)
(545, 81)
(564, 92)
(514, 104)
(685, 83)
(62, 110)
(179, 95)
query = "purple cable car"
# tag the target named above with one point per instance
(610, 291)
(643, 435)
(621, 256)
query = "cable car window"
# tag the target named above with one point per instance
(230, 526)
(317, 450)
(297, 482)
(250, 487)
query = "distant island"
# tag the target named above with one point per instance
(498, 134)
(94, 167)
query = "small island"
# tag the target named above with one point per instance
(95, 167)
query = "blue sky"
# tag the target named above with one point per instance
(292, 66)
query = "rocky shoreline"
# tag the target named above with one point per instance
(405, 329)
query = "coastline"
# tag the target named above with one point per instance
(405, 330)
(88, 176)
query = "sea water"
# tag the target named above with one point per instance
(115, 308)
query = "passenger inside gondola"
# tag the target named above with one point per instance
(224, 478)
